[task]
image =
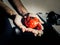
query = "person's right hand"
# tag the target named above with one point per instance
(18, 22)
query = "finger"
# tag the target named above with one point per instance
(35, 35)
(37, 32)
(42, 28)
(29, 30)
(34, 31)
(23, 29)
(41, 21)
(40, 33)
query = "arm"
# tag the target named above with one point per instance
(7, 9)
(19, 7)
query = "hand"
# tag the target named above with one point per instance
(35, 31)
(18, 22)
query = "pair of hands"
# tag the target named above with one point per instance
(36, 32)
(18, 19)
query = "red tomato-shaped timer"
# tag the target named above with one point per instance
(32, 22)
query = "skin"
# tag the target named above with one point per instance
(22, 10)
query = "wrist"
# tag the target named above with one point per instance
(22, 10)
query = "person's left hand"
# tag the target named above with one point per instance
(35, 31)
